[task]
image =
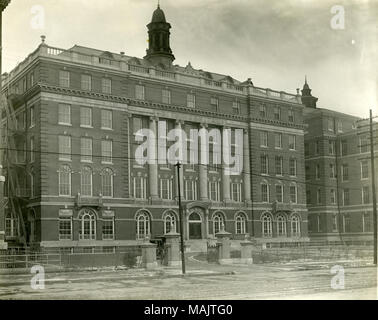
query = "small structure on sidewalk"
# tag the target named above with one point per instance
(172, 248)
(223, 246)
(148, 254)
(246, 251)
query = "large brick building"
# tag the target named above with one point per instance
(77, 112)
(338, 174)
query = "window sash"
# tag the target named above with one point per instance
(64, 116)
(65, 229)
(166, 96)
(191, 100)
(106, 151)
(106, 85)
(64, 148)
(106, 119)
(86, 149)
(139, 92)
(86, 82)
(107, 184)
(86, 116)
(86, 183)
(64, 78)
(108, 229)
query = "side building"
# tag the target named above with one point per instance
(338, 175)
(71, 136)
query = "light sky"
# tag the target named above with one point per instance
(273, 42)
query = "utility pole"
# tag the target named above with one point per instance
(178, 165)
(373, 187)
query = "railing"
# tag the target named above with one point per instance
(123, 65)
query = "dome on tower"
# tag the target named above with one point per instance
(158, 15)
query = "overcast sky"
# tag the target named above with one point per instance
(274, 42)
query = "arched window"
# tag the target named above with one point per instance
(86, 182)
(217, 222)
(88, 225)
(143, 225)
(240, 224)
(295, 226)
(281, 225)
(169, 221)
(107, 183)
(65, 180)
(11, 224)
(266, 220)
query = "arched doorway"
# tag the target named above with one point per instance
(195, 225)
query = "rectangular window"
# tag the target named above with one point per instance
(264, 192)
(106, 85)
(86, 82)
(334, 223)
(64, 148)
(263, 139)
(214, 191)
(291, 116)
(333, 196)
(236, 192)
(307, 148)
(293, 194)
(279, 193)
(364, 170)
(214, 102)
(264, 164)
(346, 223)
(32, 79)
(86, 117)
(344, 148)
(317, 147)
(317, 172)
(346, 197)
(139, 92)
(367, 225)
(166, 189)
(365, 195)
(64, 182)
(32, 155)
(236, 107)
(106, 119)
(64, 79)
(292, 142)
(65, 228)
(332, 173)
(107, 151)
(364, 145)
(340, 126)
(277, 113)
(279, 165)
(86, 149)
(262, 111)
(190, 190)
(278, 140)
(140, 188)
(64, 116)
(293, 167)
(108, 229)
(318, 196)
(331, 126)
(191, 100)
(32, 117)
(331, 147)
(166, 96)
(345, 172)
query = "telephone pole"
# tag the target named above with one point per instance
(373, 187)
(3, 244)
(178, 165)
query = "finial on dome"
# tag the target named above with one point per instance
(305, 79)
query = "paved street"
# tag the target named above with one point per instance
(204, 282)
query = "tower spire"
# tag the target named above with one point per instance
(159, 51)
(307, 98)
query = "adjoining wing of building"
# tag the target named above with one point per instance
(72, 181)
